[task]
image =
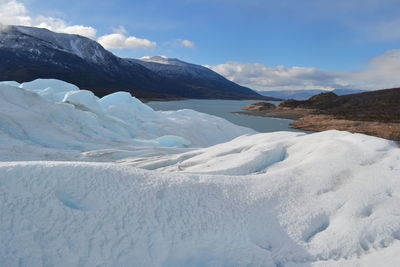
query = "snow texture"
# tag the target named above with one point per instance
(271, 199)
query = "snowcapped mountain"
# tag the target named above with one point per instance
(175, 68)
(28, 53)
(21, 38)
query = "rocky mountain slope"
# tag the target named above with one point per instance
(200, 80)
(28, 53)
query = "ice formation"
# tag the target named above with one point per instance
(50, 119)
(271, 199)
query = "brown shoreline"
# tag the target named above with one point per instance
(281, 113)
(320, 123)
(306, 119)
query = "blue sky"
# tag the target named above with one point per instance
(329, 36)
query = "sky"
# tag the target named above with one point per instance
(263, 44)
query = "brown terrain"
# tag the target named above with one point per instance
(262, 110)
(374, 113)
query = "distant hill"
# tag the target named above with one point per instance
(305, 94)
(348, 91)
(380, 105)
(28, 53)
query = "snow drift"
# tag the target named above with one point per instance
(277, 199)
(313, 207)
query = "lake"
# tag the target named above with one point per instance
(224, 109)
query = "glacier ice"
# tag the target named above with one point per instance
(50, 89)
(84, 98)
(331, 201)
(182, 188)
(48, 117)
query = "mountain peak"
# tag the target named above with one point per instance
(23, 37)
(164, 60)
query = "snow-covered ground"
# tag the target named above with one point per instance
(176, 190)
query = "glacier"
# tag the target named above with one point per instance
(41, 118)
(110, 182)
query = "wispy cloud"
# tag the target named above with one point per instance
(382, 72)
(187, 43)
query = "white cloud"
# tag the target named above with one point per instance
(263, 77)
(13, 12)
(187, 43)
(382, 72)
(121, 41)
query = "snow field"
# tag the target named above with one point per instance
(303, 210)
(213, 194)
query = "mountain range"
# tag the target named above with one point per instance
(28, 53)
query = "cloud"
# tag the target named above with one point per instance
(263, 77)
(382, 72)
(187, 43)
(120, 40)
(13, 12)
(178, 43)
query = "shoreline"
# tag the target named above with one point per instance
(279, 113)
(307, 120)
(160, 99)
(319, 123)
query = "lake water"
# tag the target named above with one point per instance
(224, 109)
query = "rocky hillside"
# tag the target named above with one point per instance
(201, 82)
(380, 105)
(28, 53)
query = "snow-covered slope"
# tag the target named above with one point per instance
(329, 199)
(31, 38)
(176, 67)
(45, 116)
